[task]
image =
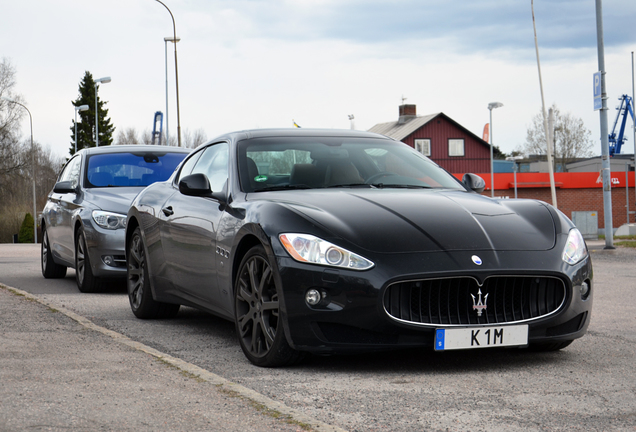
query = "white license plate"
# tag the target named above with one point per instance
(480, 337)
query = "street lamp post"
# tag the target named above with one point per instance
(104, 80)
(166, 40)
(491, 106)
(78, 108)
(35, 215)
(176, 72)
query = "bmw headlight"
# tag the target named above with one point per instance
(108, 220)
(310, 249)
(575, 249)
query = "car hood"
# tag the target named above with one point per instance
(392, 221)
(113, 199)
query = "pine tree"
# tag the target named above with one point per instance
(26, 230)
(86, 128)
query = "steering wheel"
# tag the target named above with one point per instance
(377, 176)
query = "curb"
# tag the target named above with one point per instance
(260, 402)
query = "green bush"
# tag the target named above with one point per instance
(26, 230)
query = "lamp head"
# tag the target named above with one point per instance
(81, 108)
(103, 80)
(493, 105)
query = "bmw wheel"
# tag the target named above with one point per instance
(50, 269)
(257, 313)
(138, 283)
(86, 281)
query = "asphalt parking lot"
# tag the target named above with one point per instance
(79, 362)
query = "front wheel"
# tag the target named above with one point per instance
(50, 269)
(138, 283)
(86, 281)
(257, 313)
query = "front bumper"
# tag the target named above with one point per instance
(106, 250)
(352, 317)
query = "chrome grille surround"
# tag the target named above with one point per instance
(447, 302)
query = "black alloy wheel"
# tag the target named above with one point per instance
(86, 281)
(138, 284)
(257, 313)
(50, 269)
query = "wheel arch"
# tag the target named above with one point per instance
(249, 236)
(131, 224)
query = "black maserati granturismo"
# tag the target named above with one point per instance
(328, 241)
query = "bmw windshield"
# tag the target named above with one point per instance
(130, 168)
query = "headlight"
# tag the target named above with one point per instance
(575, 249)
(109, 220)
(310, 249)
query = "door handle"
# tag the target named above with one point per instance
(167, 211)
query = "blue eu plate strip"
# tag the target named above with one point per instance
(439, 339)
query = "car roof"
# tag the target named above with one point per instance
(133, 147)
(299, 132)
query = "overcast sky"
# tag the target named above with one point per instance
(265, 63)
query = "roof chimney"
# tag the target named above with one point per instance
(407, 112)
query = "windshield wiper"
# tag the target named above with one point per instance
(351, 185)
(399, 186)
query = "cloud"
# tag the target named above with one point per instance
(466, 26)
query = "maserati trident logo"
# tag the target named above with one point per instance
(478, 305)
(476, 259)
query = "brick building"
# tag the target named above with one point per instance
(575, 192)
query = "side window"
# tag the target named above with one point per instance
(214, 164)
(186, 169)
(72, 171)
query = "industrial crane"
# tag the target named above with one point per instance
(616, 142)
(156, 134)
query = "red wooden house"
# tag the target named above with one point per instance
(449, 144)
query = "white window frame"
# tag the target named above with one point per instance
(456, 147)
(423, 145)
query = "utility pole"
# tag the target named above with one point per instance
(606, 170)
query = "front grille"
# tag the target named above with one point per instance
(449, 301)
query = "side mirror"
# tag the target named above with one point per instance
(64, 187)
(199, 185)
(473, 182)
(195, 185)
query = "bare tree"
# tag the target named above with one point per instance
(16, 162)
(127, 136)
(571, 138)
(10, 115)
(193, 139)
(131, 136)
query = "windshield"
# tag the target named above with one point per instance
(310, 162)
(130, 168)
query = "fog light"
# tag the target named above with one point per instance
(312, 297)
(108, 260)
(585, 290)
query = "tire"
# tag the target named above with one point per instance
(86, 281)
(50, 270)
(138, 284)
(258, 322)
(550, 346)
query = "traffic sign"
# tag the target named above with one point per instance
(598, 101)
